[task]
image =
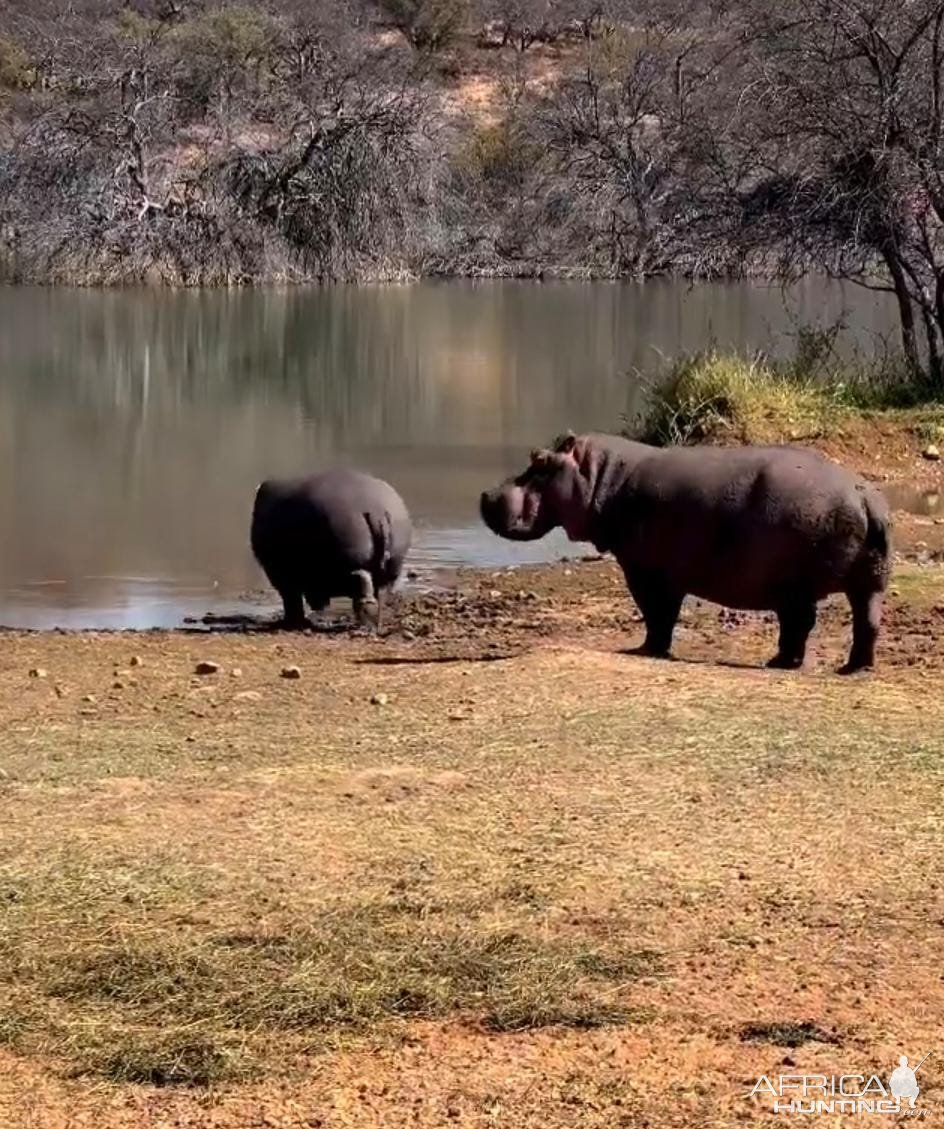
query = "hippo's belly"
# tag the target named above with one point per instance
(743, 560)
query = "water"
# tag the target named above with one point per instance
(136, 425)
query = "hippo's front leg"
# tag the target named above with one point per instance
(660, 606)
(797, 619)
(294, 609)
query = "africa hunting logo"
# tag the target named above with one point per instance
(845, 1093)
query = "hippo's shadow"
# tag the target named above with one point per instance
(687, 660)
(425, 660)
(243, 624)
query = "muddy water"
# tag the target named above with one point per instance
(135, 426)
(911, 499)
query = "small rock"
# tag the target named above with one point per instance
(136, 660)
(412, 574)
(291, 672)
(931, 453)
(379, 699)
(206, 667)
(494, 594)
(38, 672)
(247, 696)
(89, 698)
(117, 684)
(236, 672)
(61, 691)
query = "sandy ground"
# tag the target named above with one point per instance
(744, 864)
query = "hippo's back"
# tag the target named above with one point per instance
(739, 525)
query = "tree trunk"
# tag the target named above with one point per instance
(906, 317)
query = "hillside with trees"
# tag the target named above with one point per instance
(203, 142)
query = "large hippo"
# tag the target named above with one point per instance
(765, 528)
(339, 533)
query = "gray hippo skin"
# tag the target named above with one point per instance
(339, 533)
(763, 528)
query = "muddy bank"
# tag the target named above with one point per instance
(494, 615)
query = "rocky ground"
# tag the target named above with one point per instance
(487, 869)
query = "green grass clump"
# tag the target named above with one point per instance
(716, 396)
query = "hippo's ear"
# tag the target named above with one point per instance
(540, 457)
(565, 443)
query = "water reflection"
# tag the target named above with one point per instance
(136, 425)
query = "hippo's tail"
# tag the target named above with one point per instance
(874, 566)
(876, 514)
(382, 537)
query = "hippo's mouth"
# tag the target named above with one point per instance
(514, 515)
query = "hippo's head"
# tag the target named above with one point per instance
(555, 490)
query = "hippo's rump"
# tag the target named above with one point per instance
(339, 520)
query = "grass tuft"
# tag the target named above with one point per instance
(717, 397)
(786, 1033)
(162, 1058)
(350, 969)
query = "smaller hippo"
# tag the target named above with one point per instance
(338, 533)
(762, 528)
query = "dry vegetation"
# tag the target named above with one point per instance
(561, 887)
(197, 141)
(720, 397)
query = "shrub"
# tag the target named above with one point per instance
(16, 73)
(498, 154)
(223, 49)
(429, 25)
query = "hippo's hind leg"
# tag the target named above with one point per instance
(797, 617)
(366, 599)
(294, 614)
(316, 599)
(660, 606)
(866, 622)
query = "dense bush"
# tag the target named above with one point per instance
(429, 25)
(202, 140)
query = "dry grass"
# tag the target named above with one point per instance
(729, 397)
(566, 888)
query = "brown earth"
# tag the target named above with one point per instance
(700, 871)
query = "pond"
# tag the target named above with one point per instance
(136, 425)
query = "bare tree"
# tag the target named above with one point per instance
(825, 151)
(613, 132)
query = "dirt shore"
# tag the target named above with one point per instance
(487, 869)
